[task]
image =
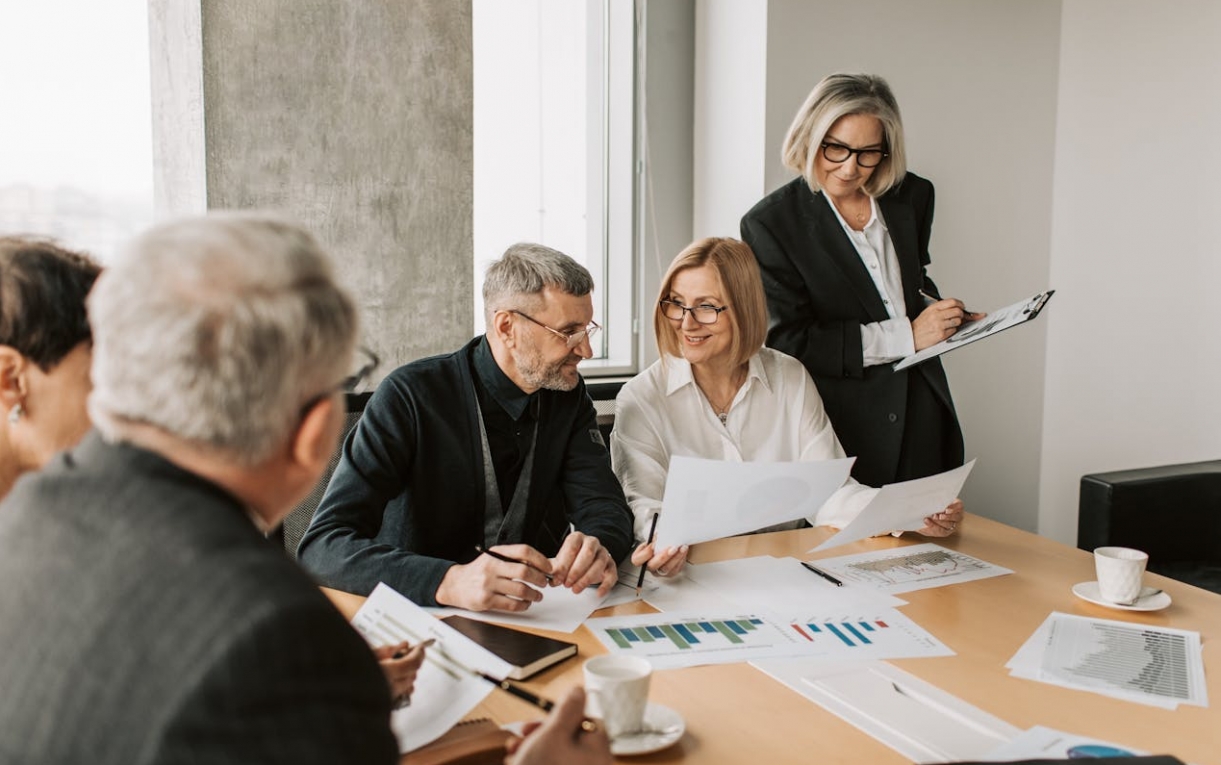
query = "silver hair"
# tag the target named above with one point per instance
(519, 277)
(217, 330)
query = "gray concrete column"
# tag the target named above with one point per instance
(353, 118)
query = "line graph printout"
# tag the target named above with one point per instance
(673, 640)
(905, 569)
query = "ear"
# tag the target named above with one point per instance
(13, 367)
(503, 327)
(316, 438)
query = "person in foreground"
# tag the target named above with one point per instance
(145, 617)
(494, 446)
(717, 393)
(844, 251)
(45, 348)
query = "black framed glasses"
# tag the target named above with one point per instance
(352, 383)
(572, 338)
(702, 313)
(837, 153)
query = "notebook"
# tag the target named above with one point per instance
(527, 652)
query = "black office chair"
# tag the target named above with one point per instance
(1172, 512)
(603, 393)
(298, 520)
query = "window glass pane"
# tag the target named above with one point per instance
(75, 121)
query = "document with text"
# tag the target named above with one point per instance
(993, 322)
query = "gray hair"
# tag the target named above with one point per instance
(519, 277)
(217, 330)
(839, 95)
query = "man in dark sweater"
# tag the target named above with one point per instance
(494, 446)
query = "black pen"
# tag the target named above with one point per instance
(823, 574)
(645, 566)
(927, 296)
(546, 705)
(483, 551)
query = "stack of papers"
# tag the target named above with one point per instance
(1158, 666)
(918, 567)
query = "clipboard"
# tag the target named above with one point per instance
(995, 321)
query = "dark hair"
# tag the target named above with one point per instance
(42, 298)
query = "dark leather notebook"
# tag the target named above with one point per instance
(527, 652)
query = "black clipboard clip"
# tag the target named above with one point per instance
(1037, 303)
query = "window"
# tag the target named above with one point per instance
(553, 82)
(75, 125)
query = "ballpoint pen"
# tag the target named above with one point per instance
(823, 574)
(645, 566)
(484, 551)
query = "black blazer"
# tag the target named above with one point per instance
(819, 294)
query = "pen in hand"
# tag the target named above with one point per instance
(645, 566)
(822, 573)
(484, 551)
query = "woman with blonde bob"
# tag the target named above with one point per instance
(844, 249)
(717, 393)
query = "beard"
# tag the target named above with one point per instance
(538, 373)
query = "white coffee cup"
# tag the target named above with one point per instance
(617, 692)
(1121, 571)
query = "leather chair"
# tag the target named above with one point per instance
(294, 526)
(1172, 512)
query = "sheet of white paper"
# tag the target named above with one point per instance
(560, 610)
(688, 639)
(911, 716)
(779, 587)
(711, 499)
(903, 506)
(1041, 743)
(917, 567)
(969, 332)
(1158, 666)
(443, 693)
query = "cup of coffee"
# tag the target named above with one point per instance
(617, 692)
(1121, 572)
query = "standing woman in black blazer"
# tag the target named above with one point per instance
(844, 252)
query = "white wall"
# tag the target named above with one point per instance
(1134, 353)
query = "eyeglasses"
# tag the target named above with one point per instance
(837, 153)
(349, 384)
(572, 338)
(703, 313)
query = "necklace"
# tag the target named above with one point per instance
(722, 412)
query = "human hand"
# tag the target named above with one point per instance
(583, 562)
(667, 561)
(940, 320)
(401, 663)
(563, 738)
(492, 584)
(944, 523)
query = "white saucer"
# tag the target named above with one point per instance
(663, 728)
(1149, 599)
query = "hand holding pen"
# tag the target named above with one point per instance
(508, 578)
(401, 664)
(668, 561)
(939, 320)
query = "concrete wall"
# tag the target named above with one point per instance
(1134, 353)
(353, 118)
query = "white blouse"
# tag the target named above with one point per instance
(777, 416)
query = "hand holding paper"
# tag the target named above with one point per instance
(903, 506)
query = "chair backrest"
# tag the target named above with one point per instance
(298, 520)
(603, 393)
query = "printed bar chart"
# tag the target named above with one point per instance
(685, 635)
(851, 634)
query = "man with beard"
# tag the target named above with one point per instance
(494, 448)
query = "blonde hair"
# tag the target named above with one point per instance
(836, 96)
(735, 264)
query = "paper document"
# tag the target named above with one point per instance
(913, 717)
(444, 692)
(1041, 743)
(903, 506)
(688, 639)
(711, 499)
(995, 321)
(918, 567)
(1158, 666)
(560, 610)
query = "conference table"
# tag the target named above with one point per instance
(736, 714)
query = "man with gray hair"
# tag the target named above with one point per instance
(145, 618)
(494, 448)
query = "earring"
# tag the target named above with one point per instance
(14, 414)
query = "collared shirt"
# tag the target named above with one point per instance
(776, 416)
(510, 416)
(882, 341)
